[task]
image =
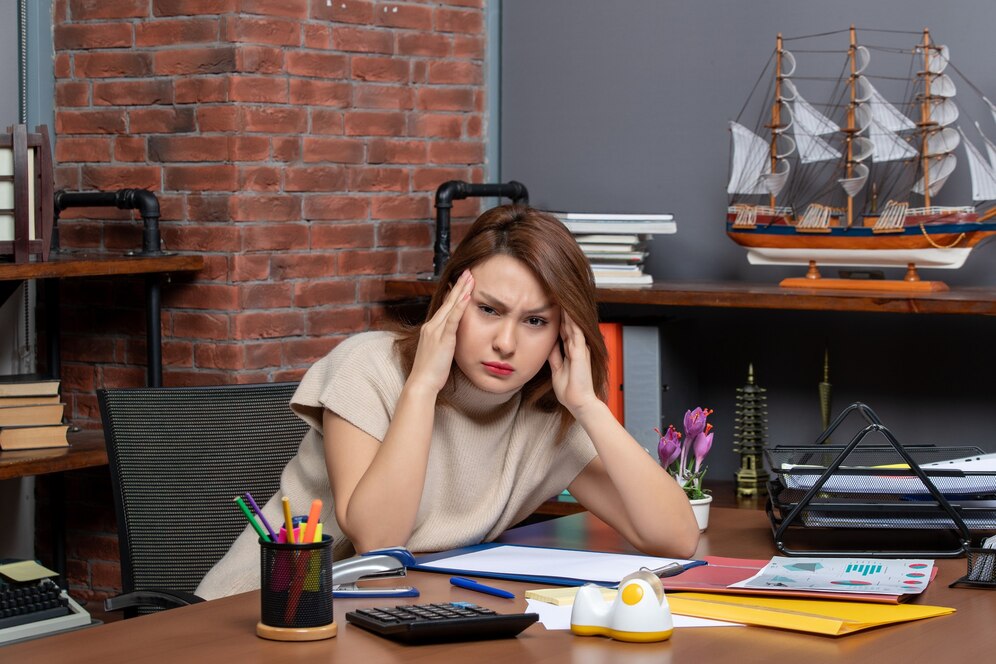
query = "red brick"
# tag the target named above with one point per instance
(266, 296)
(105, 574)
(274, 237)
(338, 236)
(259, 178)
(285, 207)
(343, 150)
(226, 118)
(199, 90)
(193, 7)
(459, 20)
(308, 351)
(179, 31)
(273, 31)
(265, 89)
(412, 262)
(204, 238)
(316, 36)
(350, 11)
(363, 123)
(368, 262)
(324, 293)
(378, 179)
(248, 148)
(402, 234)
(112, 64)
(90, 122)
(72, 93)
(201, 178)
(303, 266)
(396, 152)
(79, 378)
(130, 148)
(380, 70)
(456, 152)
(464, 3)
(133, 93)
(193, 61)
(468, 46)
(192, 378)
(445, 99)
(250, 267)
(455, 73)
(121, 177)
(160, 120)
(362, 41)
(218, 356)
(83, 149)
(260, 355)
(336, 320)
(92, 36)
(393, 97)
(420, 71)
(267, 325)
(286, 148)
(336, 208)
(325, 121)
(205, 296)
(211, 207)
(288, 8)
(426, 44)
(314, 178)
(436, 125)
(429, 179)
(411, 17)
(87, 10)
(273, 120)
(312, 92)
(178, 354)
(400, 207)
(372, 290)
(200, 325)
(317, 65)
(475, 127)
(259, 59)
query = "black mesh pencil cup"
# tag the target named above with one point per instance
(296, 591)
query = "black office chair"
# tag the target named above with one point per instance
(178, 457)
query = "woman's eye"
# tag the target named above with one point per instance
(485, 309)
(535, 321)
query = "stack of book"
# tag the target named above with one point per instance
(616, 244)
(31, 413)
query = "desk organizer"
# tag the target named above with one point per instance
(884, 493)
(981, 569)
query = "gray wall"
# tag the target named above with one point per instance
(623, 106)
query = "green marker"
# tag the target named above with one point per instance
(255, 526)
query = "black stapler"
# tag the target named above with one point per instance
(377, 564)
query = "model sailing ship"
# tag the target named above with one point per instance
(851, 180)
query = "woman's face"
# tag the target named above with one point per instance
(509, 328)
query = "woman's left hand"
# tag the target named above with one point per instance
(571, 370)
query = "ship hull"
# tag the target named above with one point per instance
(937, 245)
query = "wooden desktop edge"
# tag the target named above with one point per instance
(86, 450)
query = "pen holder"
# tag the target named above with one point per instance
(981, 569)
(296, 591)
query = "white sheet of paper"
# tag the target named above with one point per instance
(535, 561)
(851, 575)
(559, 617)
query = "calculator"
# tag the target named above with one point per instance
(437, 623)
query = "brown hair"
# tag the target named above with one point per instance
(549, 250)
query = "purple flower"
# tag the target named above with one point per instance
(701, 446)
(695, 422)
(669, 447)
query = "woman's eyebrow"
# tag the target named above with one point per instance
(498, 304)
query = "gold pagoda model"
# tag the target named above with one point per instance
(750, 435)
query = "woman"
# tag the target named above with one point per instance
(447, 434)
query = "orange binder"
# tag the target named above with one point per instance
(612, 333)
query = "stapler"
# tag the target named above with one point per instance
(377, 564)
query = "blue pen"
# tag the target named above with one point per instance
(470, 584)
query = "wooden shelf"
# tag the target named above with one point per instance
(973, 301)
(98, 265)
(86, 450)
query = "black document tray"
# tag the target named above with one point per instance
(877, 497)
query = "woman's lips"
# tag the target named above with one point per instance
(499, 368)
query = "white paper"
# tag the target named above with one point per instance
(559, 617)
(604, 568)
(851, 575)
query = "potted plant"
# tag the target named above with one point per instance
(682, 457)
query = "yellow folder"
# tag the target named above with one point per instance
(804, 615)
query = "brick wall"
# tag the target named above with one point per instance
(295, 144)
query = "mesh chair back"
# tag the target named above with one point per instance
(178, 457)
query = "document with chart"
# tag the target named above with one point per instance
(851, 575)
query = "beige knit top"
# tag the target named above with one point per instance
(492, 461)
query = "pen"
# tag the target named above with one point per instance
(259, 513)
(289, 519)
(671, 569)
(470, 584)
(252, 521)
(309, 531)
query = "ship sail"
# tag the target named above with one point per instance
(983, 175)
(808, 125)
(750, 162)
(939, 161)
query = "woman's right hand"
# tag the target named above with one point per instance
(437, 339)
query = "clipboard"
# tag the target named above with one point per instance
(542, 565)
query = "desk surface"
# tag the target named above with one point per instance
(86, 450)
(977, 301)
(95, 265)
(223, 630)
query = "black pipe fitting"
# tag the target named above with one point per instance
(142, 200)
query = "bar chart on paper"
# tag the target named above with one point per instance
(903, 576)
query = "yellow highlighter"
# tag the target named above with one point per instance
(289, 520)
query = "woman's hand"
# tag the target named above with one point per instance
(571, 370)
(437, 339)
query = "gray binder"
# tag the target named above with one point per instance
(642, 383)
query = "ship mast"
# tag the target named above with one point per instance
(849, 164)
(925, 121)
(776, 111)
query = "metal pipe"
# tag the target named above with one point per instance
(142, 200)
(454, 190)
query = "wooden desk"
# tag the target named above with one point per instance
(67, 265)
(224, 630)
(977, 301)
(86, 450)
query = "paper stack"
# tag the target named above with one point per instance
(616, 244)
(31, 413)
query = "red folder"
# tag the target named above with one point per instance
(721, 572)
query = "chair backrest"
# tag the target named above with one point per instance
(178, 457)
